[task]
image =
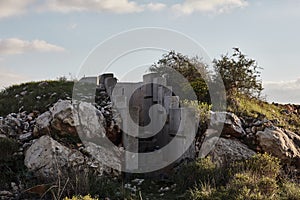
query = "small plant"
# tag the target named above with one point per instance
(247, 184)
(264, 165)
(202, 110)
(204, 192)
(290, 191)
(199, 172)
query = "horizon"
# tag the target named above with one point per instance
(47, 39)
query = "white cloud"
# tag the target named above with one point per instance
(207, 6)
(283, 91)
(12, 46)
(10, 8)
(156, 6)
(8, 77)
(115, 6)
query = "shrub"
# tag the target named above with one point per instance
(195, 72)
(249, 186)
(290, 191)
(204, 192)
(264, 165)
(239, 74)
(201, 171)
(202, 112)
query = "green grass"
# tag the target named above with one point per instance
(255, 179)
(33, 96)
(252, 107)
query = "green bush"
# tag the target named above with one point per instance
(249, 186)
(290, 191)
(201, 111)
(204, 192)
(195, 173)
(253, 179)
(264, 165)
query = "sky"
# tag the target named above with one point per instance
(47, 39)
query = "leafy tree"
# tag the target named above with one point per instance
(240, 74)
(192, 69)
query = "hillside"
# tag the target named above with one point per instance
(41, 156)
(40, 96)
(33, 96)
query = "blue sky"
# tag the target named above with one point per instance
(45, 39)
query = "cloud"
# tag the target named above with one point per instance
(10, 8)
(115, 6)
(8, 77)
(283, 91)
(207, 6)
(12, 46)
(156, 6)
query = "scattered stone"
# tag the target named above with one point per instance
(23, 93)
(25, 137)
(65, 118)
(227, 151)
(91, 120)
(107, 156)
(284, 145)
(43, 124)
(48, 158)
(6, 195)
(43, 84)
(232, 124)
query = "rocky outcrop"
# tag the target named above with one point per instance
(43, 123)
(282, 144)
(232, 124)
(48, 158)
(64, 118)
(91, 121)
(14, 124)
(227, 151)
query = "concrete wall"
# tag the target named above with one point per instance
(136, 99)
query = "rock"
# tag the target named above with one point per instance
(2, 136)
(25, 137)
(43, 124)
(232, 124)
(65, 118)
(282, 144)
(14, 187)
(47, 157)
(227, 151)
(23, 93)
(109, 156)
(12, 120)
(5, 195)
(43, 84)
(91, 120)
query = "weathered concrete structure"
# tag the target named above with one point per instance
(151, 118)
